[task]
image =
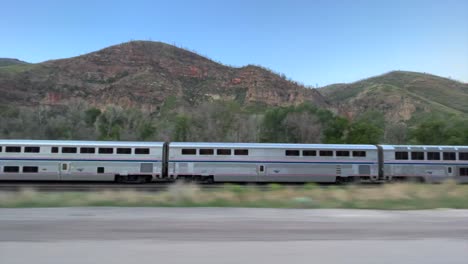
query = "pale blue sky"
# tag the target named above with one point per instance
(313, 42)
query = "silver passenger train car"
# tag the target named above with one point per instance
(80, 160)
(138, 162)
(257, 162)
(426, 163)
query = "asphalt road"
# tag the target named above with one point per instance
(223, 235)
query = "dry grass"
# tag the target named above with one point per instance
(389, 196)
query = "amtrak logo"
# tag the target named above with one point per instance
(80, 169)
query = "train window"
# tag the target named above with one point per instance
(342, 153)
(449, 156)
(31, 149)
(0, 148)
(243, 152)
(433, 155)
(292, 152)
(189, 151)
(106, 150)
(30, 169)
(54, 150)
(417, 155)
(87, 150)
(463, 171)
(262, 168)
(142, 151)
(124, 151)
(206, 152)
(68, 150)
(449, 169)
(100, 170)
(13, 149)
(359, 153)
(11, 169)
(309, 153)
(223, 152)
(463, 156)
(400, 155)
(326, 153)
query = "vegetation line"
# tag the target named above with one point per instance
(387, 197)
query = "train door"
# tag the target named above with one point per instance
(261, 172)
(64, 169)
(450, 171)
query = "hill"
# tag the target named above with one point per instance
(10, 62)
(144, 75)
(400, 96)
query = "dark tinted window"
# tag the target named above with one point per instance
(88, 150)
(11, 169)
(326, 153)
(13, 149)
(32, 149)
(433, 155)
(124, 151)
(449, 156)
(417, 155)
(463, 171)
(189, 151)
(100, 170)
(399, 155)
(206, 151)
(54, 150)
(309, 153)
(359, 153)
(0, 148)
(342, 153)
(463, 156)
(68, 150)
(223, 151)
(241, 152)
(292, 152)
(106, 150)
(142, 151)
(30, 169)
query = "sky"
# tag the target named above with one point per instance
(314, 42)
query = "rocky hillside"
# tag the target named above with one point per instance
(144, 75)
(400, 96)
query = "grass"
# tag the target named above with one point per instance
(388, 197)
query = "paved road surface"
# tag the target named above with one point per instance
(217, 235)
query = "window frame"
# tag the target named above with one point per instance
(309, 153)
(141, 151)
(123, 151)
(449, 155)
(16, 170)
(69, 150)
(188, 151)
(401, 155)
(326, 153)
(292, 152)
(241, 152)
(105, 151)
(206, 151)
(416, 155)
(13, 149)
(224, 152)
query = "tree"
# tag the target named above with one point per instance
(364, 133)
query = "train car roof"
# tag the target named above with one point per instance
(80, 143)
(270, 145)
(423, 147)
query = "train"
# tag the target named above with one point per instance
(208, 162)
